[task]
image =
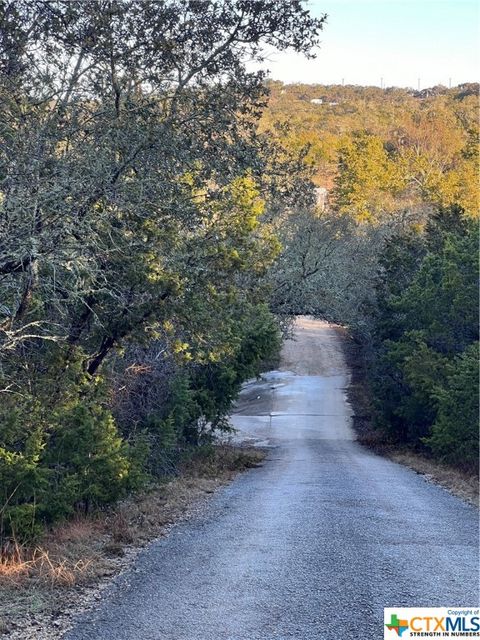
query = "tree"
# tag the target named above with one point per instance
(367, 178)
(426, 335)
(121, 133)
(136, 198)
(328, 265)
(454, 434)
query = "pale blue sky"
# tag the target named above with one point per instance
(399, 40)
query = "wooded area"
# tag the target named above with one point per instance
(157, 233)
(394, 255)
(135, 202)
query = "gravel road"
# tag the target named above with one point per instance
(310, 546)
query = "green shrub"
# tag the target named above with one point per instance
(454, 435)
(88, 459)
(63, 454)
(55, 462)
(426, 322)
(23, 482)
(405, 392)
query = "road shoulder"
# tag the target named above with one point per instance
(40, 595)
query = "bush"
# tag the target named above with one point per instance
(454, 435)
(407, 375)
(65, 453)
(426, 329)
(55, 462)
(88, 460)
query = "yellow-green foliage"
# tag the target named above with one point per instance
(368, 179)
(384, 149)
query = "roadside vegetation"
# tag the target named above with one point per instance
(425, 340)
(136, 199)
(44, 584)
(159, 230)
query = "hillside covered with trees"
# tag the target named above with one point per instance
(382, 150)
(159, 229)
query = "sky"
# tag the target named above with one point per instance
(399, 41)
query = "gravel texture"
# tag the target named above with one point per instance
(310, 546)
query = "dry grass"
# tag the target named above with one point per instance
(30, 577)
(40, 564)
(461, 484)
(37, 585)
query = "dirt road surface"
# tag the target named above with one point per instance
(311, 546)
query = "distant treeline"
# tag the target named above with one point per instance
(390, 148)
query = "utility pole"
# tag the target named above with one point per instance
(343, 82)
(449, 83)
(381, 82)
(418, 84)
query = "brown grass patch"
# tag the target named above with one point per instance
(461, 484)
(41, 588)
(41, 565)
